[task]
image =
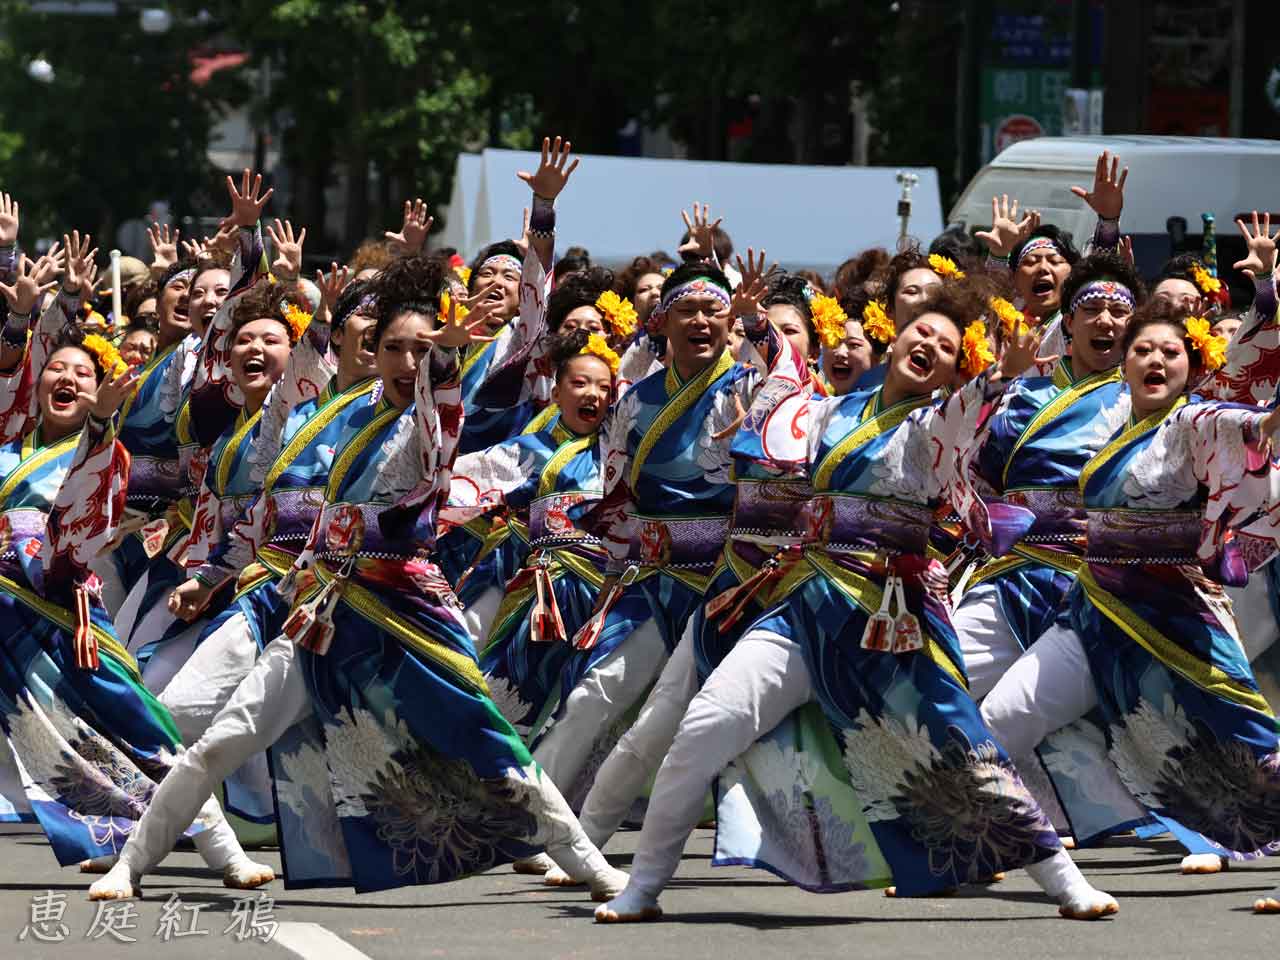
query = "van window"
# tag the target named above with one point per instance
(1048, 191)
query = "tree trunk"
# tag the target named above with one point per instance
(357, 162)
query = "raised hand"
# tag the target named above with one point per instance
(1126, 251)
(81, 270)
(702, 231)
(554, 170)
(1107, 196)
(523, 243)
(164, 246)
(27, 289)
(248, 202)
(331, 286)
(1019, 353)
(9, 220)
(754, 286)
(1262, 247)
(1007, 231)
(195, 249)
(414, 230)
(224, 239)
(111, 393)
(463, 329)
(288, 262)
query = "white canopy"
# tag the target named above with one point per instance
(621, 207)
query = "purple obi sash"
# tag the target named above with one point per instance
(689, 543)
(1059, 515)
(551, 524)
(1143, 536)
(845, 523)
(770, 510)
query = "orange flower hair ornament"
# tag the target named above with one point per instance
(945, 267)
(1205, 280)
(296, 319)
(618, 313)
(975, 350)
(829, 319)
(108, 356)
(1211, 347)
(1011, 318)
(598, 346)
(876, 323)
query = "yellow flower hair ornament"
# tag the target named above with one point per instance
(618, 313)
(598, 346)
(296, 319)
(975, 350)
(945, 267)
(108, 356)
(464, 274)
(876, 323)
(1010, 317)
(1212, 348)
(445, 300)
(1204, 280)
(829, 319)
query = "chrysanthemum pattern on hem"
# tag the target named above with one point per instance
(1178, 767)
(964, 803)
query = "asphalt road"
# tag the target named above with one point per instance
(720, 913)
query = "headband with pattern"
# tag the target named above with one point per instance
(501, 261)
(1035, 244)
(188, 275)
(1102, 290)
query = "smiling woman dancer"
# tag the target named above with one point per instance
(862, 628)
(91, 740)
(415, 778)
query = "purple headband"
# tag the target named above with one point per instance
(698, 286)
(1102, 290)
(1034, 244)
(187, 275)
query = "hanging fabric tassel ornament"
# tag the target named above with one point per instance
(879, 631)
(906, 628)
(86, 644)
(545, 622)
(310, 626)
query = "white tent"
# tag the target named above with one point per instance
(462, 204)
(618, 207)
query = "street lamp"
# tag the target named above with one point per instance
(40, 70)
(155, 20)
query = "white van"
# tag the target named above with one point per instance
(1168, 177)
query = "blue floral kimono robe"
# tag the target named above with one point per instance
(192, 406)
(942, 802)
(90, 742)
(1177, 503)
(407, 773)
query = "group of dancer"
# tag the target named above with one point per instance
(420, 568)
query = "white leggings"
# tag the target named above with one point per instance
(987, 641)
(757, 685)
(607, 692)
(1048, 687)
(639, 753)
(270, 699)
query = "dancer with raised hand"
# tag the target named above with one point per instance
(431, 784)
(862, 628)
(1147, 635)
(92, 741)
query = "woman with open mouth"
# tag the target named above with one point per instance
(1175, 500)
(415, 777)
(546, 480)
(92, 742)
(859, 624)
(163, 431)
